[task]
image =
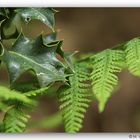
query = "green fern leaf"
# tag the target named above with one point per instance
(74, 100)
(132, 51)
(104, 65)
(8, 94)
(36, 92)
(15, 120)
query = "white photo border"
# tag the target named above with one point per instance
(70, 3)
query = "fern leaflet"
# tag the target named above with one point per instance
(104, 65)
(14, 120)
(74, 100)
(8, 94)
(132, 51)
(36, 92)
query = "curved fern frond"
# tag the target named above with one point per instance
(74, 100)
(36, 92)
(132, 51)
(8, 94)
(104, 65)
(15, 120)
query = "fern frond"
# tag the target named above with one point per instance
(36, 92)
(8, 94)
(15, 120)
(74, 100)
(104, 65)
(132, 51)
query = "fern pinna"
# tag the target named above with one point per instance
(44, 58)
(15, 120)
(133, 56)
(74, 99)
(104, 65)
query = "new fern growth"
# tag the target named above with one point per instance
(81, 78)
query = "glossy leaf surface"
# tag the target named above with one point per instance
(28, 54)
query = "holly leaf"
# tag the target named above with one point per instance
(28, 54)
(3, 14)
(45, 15)
(48, 40)
(8, 27)
(67, 56)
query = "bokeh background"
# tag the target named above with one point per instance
(90, 30)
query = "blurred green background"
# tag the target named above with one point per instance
(90, 30)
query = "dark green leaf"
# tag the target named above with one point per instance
(45, 15)
(4, 26)
(68, 57)
(49, 38)
(3, 14)
(8, 27)
(27, 54)
(50, 41)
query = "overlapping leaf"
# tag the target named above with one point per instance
(8, 29)
(74, 100)
(45, 15)
(28, 54)
(3, 14)
(105, 64)
(7, 94)
(132, 50)
(15, 120)
(65, 55)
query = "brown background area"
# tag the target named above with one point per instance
(91, 30)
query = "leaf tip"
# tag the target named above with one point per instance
(101, 107)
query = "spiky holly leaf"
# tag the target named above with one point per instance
(5, 25)
(49, 38)
(68, 57)
(28, 54)
(45, 15)
(8, 24)
(3, 14)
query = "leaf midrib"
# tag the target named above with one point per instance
(22, 56)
